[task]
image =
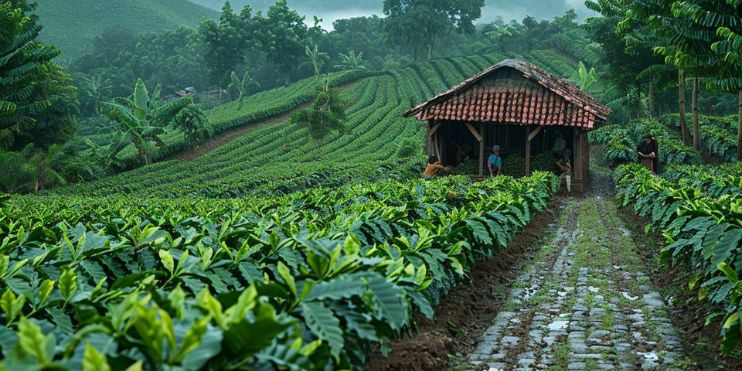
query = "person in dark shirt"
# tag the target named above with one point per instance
(646, 152)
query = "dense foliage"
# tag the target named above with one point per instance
(246, 283)
(279, 158)
(698, 211)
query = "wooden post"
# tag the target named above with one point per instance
(437, 148)
(429, 140)
(577, 157)
(481, 149)
(528, 150)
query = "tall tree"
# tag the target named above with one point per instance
(284, 36)
(225, 45)
(22, 61)
(415, 23)
(720, 23)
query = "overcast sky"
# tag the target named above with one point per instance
(330, 10)
(507, 9)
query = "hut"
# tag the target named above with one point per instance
(519, 107)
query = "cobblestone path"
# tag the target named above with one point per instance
(582, 303)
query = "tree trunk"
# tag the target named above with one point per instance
(694, 108)
(739, 129)
(41, 181)
(650, 99)
(430, 49)
(681, 108)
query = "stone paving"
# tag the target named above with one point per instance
(583, 303)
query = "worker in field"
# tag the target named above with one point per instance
(433, 168)
(494, 161)
(647, 152)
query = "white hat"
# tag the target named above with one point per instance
(496, 147)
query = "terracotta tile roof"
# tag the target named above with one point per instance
(515, 92)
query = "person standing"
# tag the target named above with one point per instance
(494, 162)
(646, 152)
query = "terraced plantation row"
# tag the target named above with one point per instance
(281, 157)
(312, 280)
(255, 108)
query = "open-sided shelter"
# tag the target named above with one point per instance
(518, 106)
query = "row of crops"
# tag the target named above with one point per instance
(260, 106)
(281, 158)
(698, 211)
(310, 280)
(718, 139)
(619, 143)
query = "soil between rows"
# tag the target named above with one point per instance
(468, 310)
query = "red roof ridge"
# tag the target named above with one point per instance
(556, 84)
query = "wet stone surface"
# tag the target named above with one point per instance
(582, 304)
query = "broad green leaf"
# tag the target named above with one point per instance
(177, 300)
(192, 338)
(246, 338)
(246, 302)
(167, 260)
(212, 306)
(324, 324)
(93, 360)
(4, 265)
(338, 288)
(287, 277)
(45, 289)
(68, 283)
(33, 342)
(389, 300)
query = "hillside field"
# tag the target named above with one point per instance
(279, 158)
(72, 25)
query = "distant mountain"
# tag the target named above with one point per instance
(330, 10)
(72, 24)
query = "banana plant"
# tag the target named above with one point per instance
(141, 119)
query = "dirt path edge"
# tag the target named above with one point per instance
(467, 311)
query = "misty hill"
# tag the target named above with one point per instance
(72, 24)
(330, 10)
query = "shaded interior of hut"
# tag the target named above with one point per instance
(460, 149)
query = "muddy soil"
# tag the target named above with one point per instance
(467, 311)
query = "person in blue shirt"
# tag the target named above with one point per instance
(494, 162)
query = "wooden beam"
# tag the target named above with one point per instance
(481, 148)
(474, 132)
(528, 150)
(429, 142)
(437, 147)
(534, 133)
(434, 129)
